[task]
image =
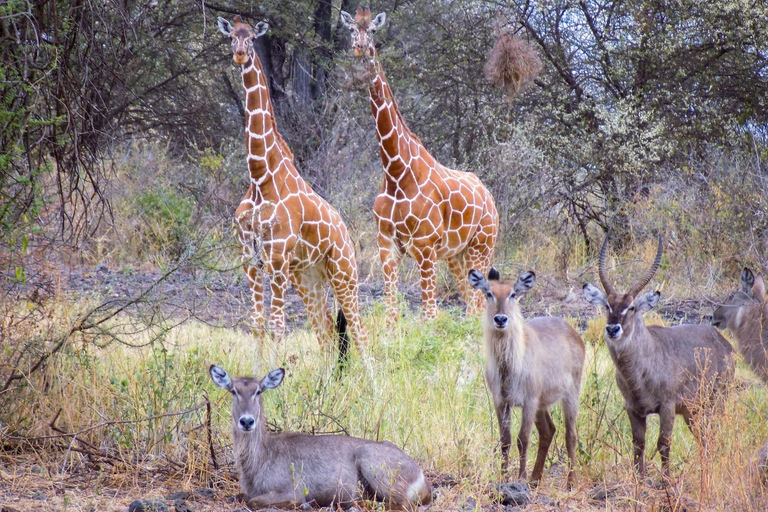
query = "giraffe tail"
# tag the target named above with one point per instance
(341, 330)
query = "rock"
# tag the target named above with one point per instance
(205, 493)
(148, 506)
(6, 508)
(181, 506)
(602, 493)
(514, 493)
(468, 503)
(547, 502)
(181, 495)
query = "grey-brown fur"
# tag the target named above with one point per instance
(745, 314)
(531, 365)
(659, 370)
(294, 470)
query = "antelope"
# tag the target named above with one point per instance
(531, 365)
(745, 313)
(659, 370)
(290, 470)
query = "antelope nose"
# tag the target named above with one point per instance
(612, 330)
(500, 321)
(246, 423)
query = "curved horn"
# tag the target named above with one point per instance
(643, 282)
(607, 286)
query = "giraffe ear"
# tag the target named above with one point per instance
(378, 22)
(224, 26)
(347, 20)
(261, 29)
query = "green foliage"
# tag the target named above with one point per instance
(164, 220)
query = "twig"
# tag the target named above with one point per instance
(208, 430)
(107, 423)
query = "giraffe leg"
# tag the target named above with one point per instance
(457, 266)
(309, 285)
(477, 256)
(343, 277)
(425, 259)
(390, 256)
(252, 264)
(255, 277)
(278, 270)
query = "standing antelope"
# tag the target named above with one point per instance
(300, 470)
(745, 313)
(659, 370)
(530, 365)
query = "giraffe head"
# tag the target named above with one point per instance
(361, 28)
(242, 36)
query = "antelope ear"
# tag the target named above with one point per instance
(747, 279)
(224, 26)
(594, 295)
(478, 281)
(220, 377)
(261, 29)
(525, 281)
(347, 20)
(272, 379)
(758, 289)
(378, 22)
(648, 301)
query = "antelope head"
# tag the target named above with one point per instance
(502, 296)
(621, 310)
(732, 312)
(246, 395)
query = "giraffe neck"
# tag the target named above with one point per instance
(266, 147)
(396, 141)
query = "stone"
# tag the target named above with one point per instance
(514, 493)
(148, 506)
(205, 492)
(181, 506)
(181, 495)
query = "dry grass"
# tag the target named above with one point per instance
(425, 392)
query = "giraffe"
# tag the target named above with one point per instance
(284, 227)
(423, 210)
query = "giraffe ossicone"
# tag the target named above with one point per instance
(424, 209)
(285, 229)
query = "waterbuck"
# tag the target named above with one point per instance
(659, 370)
(531, 365)
(292, 470)
(745, 313)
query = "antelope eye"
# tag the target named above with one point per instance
(631, 308)
(489, 295)
(512, 295)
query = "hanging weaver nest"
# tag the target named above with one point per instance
(513, 64)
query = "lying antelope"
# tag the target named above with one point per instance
(531, 365)
(745, 313)
(291, 470)
(659, 370)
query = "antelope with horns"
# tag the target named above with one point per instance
(659, 370)
(531, 365)
(745, 313)
(292, 470)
